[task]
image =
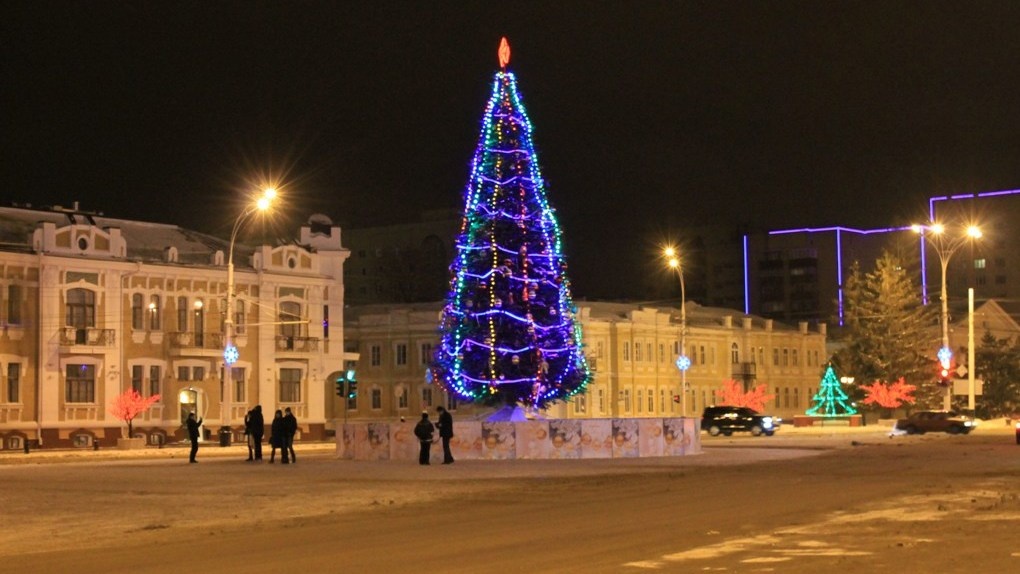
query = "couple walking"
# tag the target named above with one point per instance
(423, 430)
(283, 429)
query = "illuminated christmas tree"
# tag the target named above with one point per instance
(509, 334)
(830, 400)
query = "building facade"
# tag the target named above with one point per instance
(94, 306)
(631, 350)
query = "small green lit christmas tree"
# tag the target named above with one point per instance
(831, 401)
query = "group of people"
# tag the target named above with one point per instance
(282, 429)
(424, 431)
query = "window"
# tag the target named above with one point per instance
(602, 400)
(376, 399)
(626, 350)
(290, 385)
(182, 315)
(979, 263)
(237, 377)
(637, 351)
(640, 400)
(426, 353)
(290, 316)
(154, 311)
(137, 314)
(14, 304)
(796, 397)
(651, 401)
(198, 373)
(702, 354)
(80, 308)
(13, 383)
(426, 398)
(239, 317)
(662, 353)
(183, 373)
(325, 321)
(775, 357)
(734, 354)
(402, 397)
(400, 357)
(777, 397)
(154, 380)
(80, 384)
(793, 357)
(662, 400)
(451, 403)
(786, 357)
(786, 397)
(650, 357)
(580, 404)
(137, 372)
(375, 355)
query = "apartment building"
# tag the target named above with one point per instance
(92, 306)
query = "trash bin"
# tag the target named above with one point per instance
(225, 436)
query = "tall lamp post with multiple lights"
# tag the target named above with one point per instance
(945, 245)
(230, 352)
(682, 361)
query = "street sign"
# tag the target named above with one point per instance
(962, 387)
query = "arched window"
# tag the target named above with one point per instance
(734, 353)
(154, 312)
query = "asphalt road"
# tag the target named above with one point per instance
(791, 504)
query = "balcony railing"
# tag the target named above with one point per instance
(192, 340)
(88, 336)
(301, 344)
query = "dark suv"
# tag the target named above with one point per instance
(725, 420)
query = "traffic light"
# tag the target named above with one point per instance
(340, 388)
(945, 375)
(352, 384)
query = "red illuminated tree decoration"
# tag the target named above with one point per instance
(504, 53)
(129, 405)
(889, 396)
(733, 394)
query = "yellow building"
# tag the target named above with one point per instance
(92, 306)
(631, 349)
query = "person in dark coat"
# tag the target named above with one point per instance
(289, 430)
(423, 430)
(247, 435)
(193, 435)
(258, 430)
(277, 437)
(445, 428)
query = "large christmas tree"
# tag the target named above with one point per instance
(509, 334)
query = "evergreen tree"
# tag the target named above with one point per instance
(998, 364)
(509, 332)
(889, 334)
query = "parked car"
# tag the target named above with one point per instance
(936, 421)
(726, 420)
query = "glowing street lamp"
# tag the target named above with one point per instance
(230, 353)
(682, 361)
(945, 245)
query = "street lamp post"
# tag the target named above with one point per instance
(230, 352)
(945, 246)
(682, 361)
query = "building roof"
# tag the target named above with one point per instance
(146, 241)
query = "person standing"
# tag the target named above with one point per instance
(277, 434)
(247, 435)
(193, 435)
(445, 428)
(423, 430)
(289, 430)
(258, 430)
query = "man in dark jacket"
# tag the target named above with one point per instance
(258, 429)
(247, 435)
(423, 430)
(445, 428)
(193, 435)
(289, 430)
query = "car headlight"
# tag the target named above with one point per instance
(767, 422)
(968, 423)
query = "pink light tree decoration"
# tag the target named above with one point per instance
(128, 405)
(733, 394)
(889, 396)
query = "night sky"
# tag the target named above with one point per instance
(649, 116)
